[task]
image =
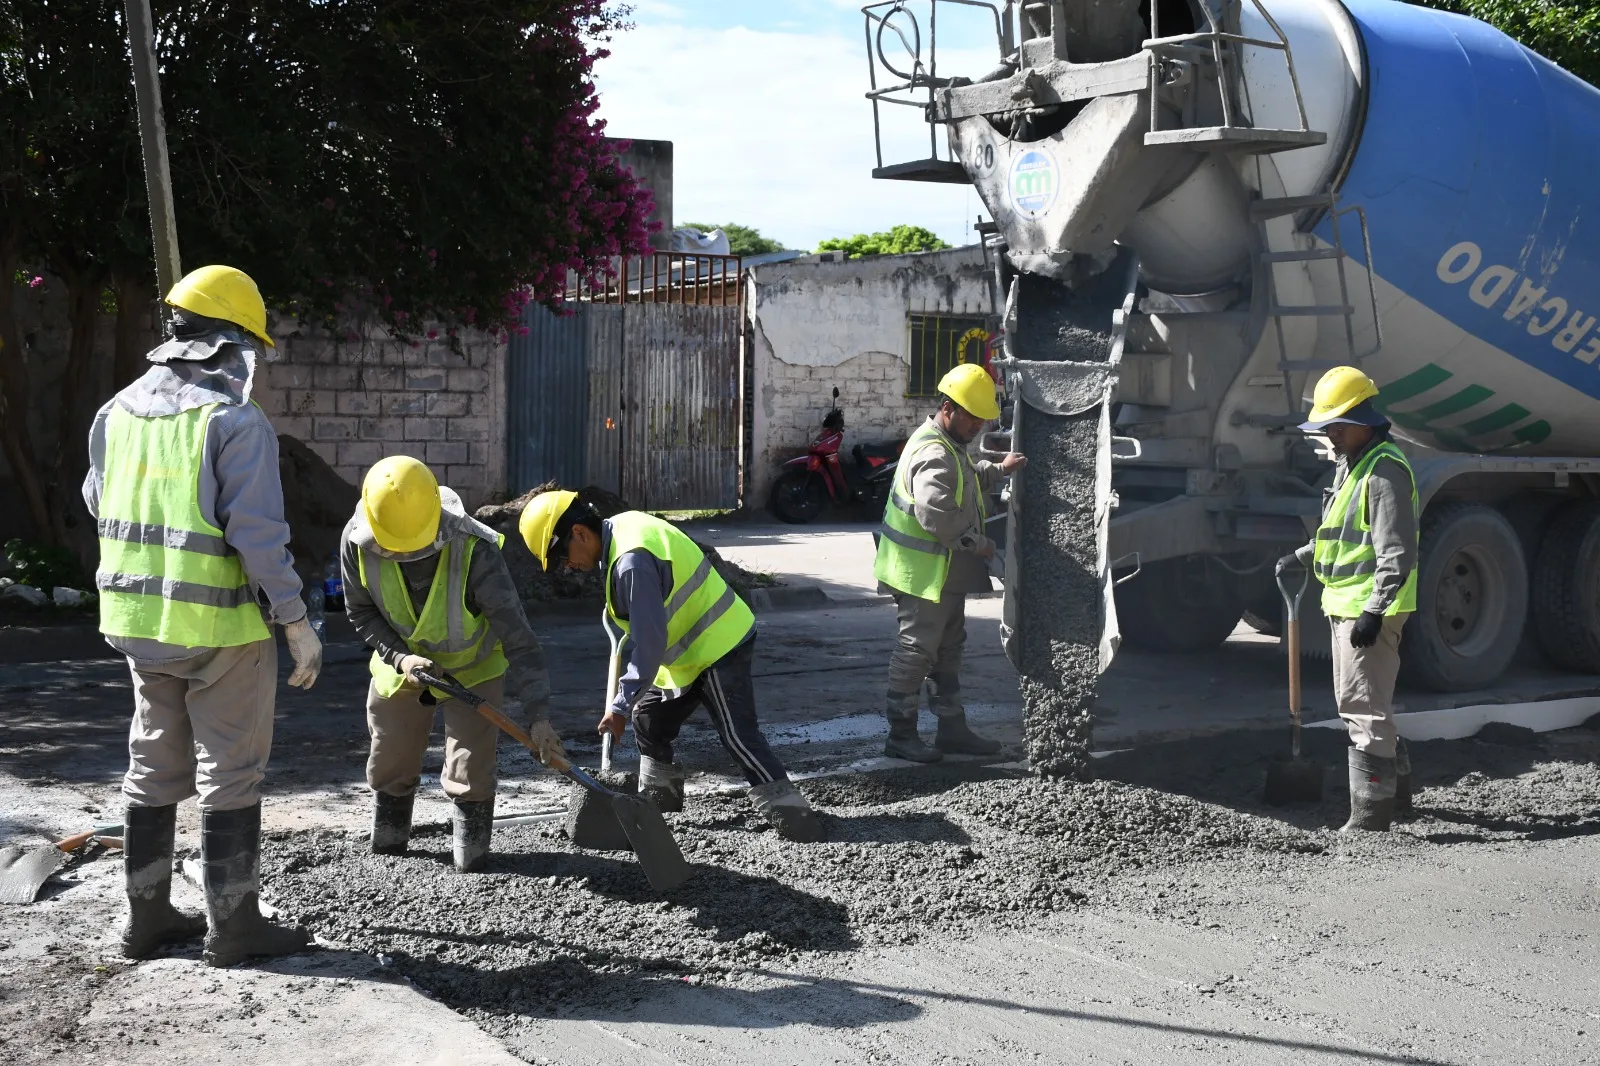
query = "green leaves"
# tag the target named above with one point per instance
(897, 241)
(742, 240)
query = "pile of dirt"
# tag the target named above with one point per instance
(910, 854)
(317, 503)
(538, 586)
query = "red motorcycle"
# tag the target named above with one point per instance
(811, 481)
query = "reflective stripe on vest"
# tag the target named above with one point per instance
(165, 572)
(1345, 561)
(459, 642)
(706, 619)
(910, 558)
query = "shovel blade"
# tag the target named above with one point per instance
(23, 871)
(653, 843)
(1293, 781)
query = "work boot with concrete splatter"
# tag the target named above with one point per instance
(661, 782)
(787, 811)
(471, 828)
(1372, 789)
(391, 823)
(903, 742)
(955, 738)
(1403, 803)
(230, 846)
(147, 834)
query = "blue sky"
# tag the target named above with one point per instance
(764, 103)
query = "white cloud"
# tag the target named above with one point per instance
(772, 130)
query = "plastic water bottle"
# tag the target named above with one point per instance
(314, 607)
(333, 587)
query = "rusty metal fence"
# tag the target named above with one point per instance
(659, 418)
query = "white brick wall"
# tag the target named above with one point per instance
(355, 402)
(818, 325)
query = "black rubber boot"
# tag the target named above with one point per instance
(391, 823)
(662, 783)
(1372, 789)
(147, 870)
(1403, 804)
(230, 844)
(903, 741)
(787, 811)
(471, 827)
(954, 738)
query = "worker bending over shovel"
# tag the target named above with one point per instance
(933, 552)
(194, 571)
(427, 589)
(1365, 555)
(691, 641)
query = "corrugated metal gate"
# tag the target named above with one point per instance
(639, 390)
(547, 391)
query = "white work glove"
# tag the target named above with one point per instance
(410, 664)
(307, 652)
(545, 741)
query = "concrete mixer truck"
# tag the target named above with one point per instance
(1200, 205)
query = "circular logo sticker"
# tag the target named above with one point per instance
(1033, 183)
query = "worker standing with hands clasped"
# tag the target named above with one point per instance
(933, 552)
(691, 641)
(1365, 555)
(427, 589)
(194, 570)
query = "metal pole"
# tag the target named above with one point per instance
(153, 137)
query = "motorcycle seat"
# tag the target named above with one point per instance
(883, 449)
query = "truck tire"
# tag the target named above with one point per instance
(1472, 600)
(1566, 588)
(1178, 605)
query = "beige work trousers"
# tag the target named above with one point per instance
(933, 635)
(400, 726)
(1363, 683)
(202, 725)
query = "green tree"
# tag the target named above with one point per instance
(897, 241)
(742, 240)
(410, 161)
(1563, 31)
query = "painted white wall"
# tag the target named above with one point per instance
(815, 325)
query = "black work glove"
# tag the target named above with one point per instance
(1364, 634)
(1289, 564)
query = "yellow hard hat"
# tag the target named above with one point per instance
(225, 293)
(970, 385)
(1338, 391)
(538, 522)
(400, 497)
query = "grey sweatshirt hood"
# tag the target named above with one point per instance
(193, 372)
(453, 520)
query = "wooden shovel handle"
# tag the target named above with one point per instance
(506, 725)
(75, 841)
(1294, 668)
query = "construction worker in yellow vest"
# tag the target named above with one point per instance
(1365, 555)
(427, 589)
(194, 571)
(932, 553)
(691, 641)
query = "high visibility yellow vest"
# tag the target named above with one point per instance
(705, 618)
(1345, 560)
(910, 558)
(459, 642)
(165, 572)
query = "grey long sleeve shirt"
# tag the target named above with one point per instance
(491, 594)
(933, 474)
(1393, 520)
(239, 491)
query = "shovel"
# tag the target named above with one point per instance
(24, 870)
(591, 822)
(1298, 780)
(652, 842)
